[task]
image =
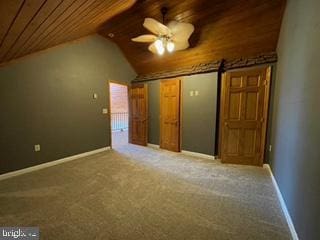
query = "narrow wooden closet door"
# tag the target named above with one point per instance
(245, 97)
(170, 115)
(138, 121)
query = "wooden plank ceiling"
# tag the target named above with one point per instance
(223, 29)
(27, 26)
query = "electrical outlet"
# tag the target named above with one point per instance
(37, 148)
(105, 111)
(270, 148)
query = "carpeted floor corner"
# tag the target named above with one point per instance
(141, 193)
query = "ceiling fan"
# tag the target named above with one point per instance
(173, 37)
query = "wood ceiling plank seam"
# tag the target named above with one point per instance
(55, 25)
(27, 49)
(30, 8)
(73, 26)
(8, 10)
(124, 26)
(58, 26)
(23, 30)
(87, 26)
(113, 5)
(43, 51)
(70, 28)
(17, 52)
(97, 15)
(125, 6)
(12, 22)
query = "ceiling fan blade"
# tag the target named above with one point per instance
(145, 38)
(180, 31)
(156, 27)
(152, 48)
(181, 45)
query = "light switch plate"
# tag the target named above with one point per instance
(196, 93)
(191, 93)
(37, 148)
(95, 96)
(105, 111)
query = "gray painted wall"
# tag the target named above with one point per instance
(154, 112)
(47, 99)
(198, 112)
(295, 159)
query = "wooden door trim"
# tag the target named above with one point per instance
(222, 102)
(109, 112)
(266, 112)
(180, 115)
(147, 114)
(118, 82)
(180, 111)
(268, 70)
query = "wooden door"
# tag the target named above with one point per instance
(138, 120)
(244, 110)
(170, 114)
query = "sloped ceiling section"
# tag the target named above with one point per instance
(224, 29)
(27, 26)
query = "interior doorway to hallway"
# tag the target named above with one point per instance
(119, 113)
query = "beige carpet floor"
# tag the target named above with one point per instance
(141, 193)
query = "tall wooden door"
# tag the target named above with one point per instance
(244, 110)
(138, 117)
(170, 114)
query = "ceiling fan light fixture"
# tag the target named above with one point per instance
(170, 46)
(159, 46)
(158, 43)
(165, 38)
(161, 51)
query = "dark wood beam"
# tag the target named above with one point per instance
(221, 65)
(251, 61)
(195, 69)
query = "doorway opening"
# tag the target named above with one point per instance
(119, 114)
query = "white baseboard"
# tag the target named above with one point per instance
(194, 154)
(293, 232)
(52, 163)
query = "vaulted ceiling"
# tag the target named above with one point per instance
(27, 26)
(223, 28)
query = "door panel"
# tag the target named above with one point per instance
(170, 115)
(234, 106)
(244, 108)
(138, 121)
(233, 141)
(252, 103)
